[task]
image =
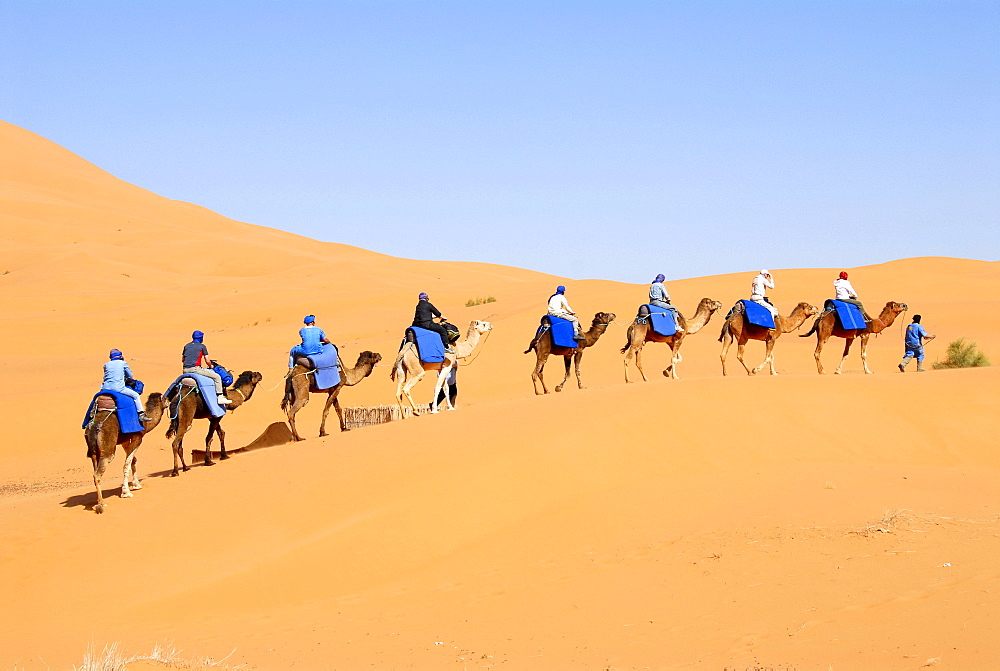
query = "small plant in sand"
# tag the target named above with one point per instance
(962, 354)
(480, 301)
(113, 658)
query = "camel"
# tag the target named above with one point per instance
(543, 348)
(103, 436)
(188, 406)
(737, 329)
(299, 384)
(826, 326)
(640, 334)
(408, 369)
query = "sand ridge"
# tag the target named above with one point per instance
(708, 522)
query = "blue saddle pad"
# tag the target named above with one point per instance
(128, 416)
(757, 314)
(429, 345)
(562, 331)
(849, 315)
(327, 373)
(662, 320)
(206, 386)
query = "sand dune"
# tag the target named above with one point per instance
(799, 521)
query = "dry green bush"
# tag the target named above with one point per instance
(962, 354)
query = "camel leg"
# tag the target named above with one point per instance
(740, 350)
(629, 355)
(864, 355)
(577, 360)
(847, 350)
(638, 362)
(820, 341)
(127, 470)
(340, 413)
(568, 360)
(675, 358)
(208, 442)
(135, 484)
(330, 398)
(727, 342)
(438, 384)
(768, 358)
(298, 401)
(100, 465)
(536, 376)
(178, 447)
(410, 384)
(222, 440)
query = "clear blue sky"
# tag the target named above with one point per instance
(589, 139)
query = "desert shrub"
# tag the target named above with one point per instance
(962, 354)
(479, 301)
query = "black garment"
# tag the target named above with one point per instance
(422, 318)
(424, 313)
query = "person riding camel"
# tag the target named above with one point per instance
(313, 339)
(559, 307)
(116, 372)
(659, 297)
(195, 360)
(761, 283)
(845, 292)
(424, 317)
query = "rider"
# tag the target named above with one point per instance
(424, 316)
(659, 297)
(116, 372)
(914, 343)
(195, 360)
(313, 339)
(761, 283)
(845, 292)
(559, 307)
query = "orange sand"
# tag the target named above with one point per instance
(798, 521)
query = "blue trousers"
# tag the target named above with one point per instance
(914, 353)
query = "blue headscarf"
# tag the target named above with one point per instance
(660, 278)
(423, 296)
(560, 289)
(310, 319)
(116, 354)
(197, 336)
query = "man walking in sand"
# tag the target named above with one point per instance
(914, 343)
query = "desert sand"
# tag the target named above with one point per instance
(789, 522)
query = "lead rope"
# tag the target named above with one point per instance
(469, 363)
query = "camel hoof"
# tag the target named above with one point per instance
(324, 434)
(434, 412)
(99, 508)
(135, 486)
(558, 389)
(174, 474)
(126, 494)
(209, 463)
(186, 469)
(224, 457)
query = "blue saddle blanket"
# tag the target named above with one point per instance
(662, 320)
(206, 386)
(128, 416)
(757, 314)
(327, 373)
(849, 315)
(429, 345)
(562, 331)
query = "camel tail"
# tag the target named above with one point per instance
(812, 330)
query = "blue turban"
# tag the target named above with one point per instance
(660, 278)
(197, 336)
(560, 289)
(423, 296)
(310, 319)
(116, 354)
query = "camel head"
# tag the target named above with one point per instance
(368, 358)
(481, 327)
(156, 400)
(709, 304)
(807, 309)
(603, 318)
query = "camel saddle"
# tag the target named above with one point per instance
(106, 402)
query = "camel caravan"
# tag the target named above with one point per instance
(117, 416)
